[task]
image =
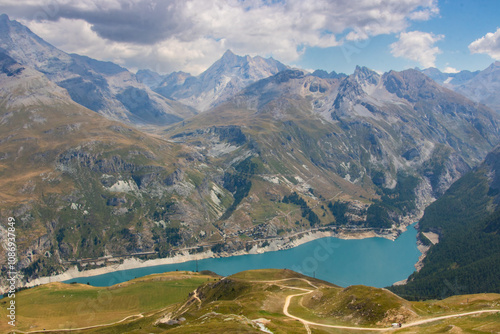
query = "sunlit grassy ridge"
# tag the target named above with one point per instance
(205, 303)
(59, 305)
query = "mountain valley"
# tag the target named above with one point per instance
(99, 164)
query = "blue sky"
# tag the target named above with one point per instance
(334, 35)
(460, 23)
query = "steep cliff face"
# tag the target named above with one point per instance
(416, 124)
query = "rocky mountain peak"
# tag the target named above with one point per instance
(495, 66)
(365, 75)
(26, 47)
(320, 74)
(480, 86)
(242, 67)
(229, 62)
(4, 18)
(228, 55)
(363, 71)
(5, 24)
(149, 78)
(410, 84)
(351, 88)
(449, 80)
(225, 78)
(325, 75)
(435, 74)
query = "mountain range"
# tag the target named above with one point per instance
(103, 87)
(218, 83)
(480, 86)
(255, 152)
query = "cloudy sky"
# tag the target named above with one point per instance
(189, 35)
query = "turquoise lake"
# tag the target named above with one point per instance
(376, 262)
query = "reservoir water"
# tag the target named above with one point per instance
(375, 262)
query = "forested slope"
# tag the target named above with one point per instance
(467, 219)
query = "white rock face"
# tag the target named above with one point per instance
(214, 198)
(221, 149)
(272, 179)
(124, 187)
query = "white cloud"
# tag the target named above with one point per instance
(190, 34)
(417, 46)
(489, 44)
(77, 36)
(450, 69)
(426, 13)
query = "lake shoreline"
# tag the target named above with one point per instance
(184, 255)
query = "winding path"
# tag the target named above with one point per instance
(411, 324)
(139, 316)
(195, 296)
(424, 321)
